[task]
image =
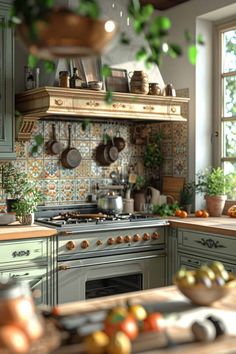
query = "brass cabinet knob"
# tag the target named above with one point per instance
(119, 239)
(136, 238)
(70, 245)
(146, 236)
(155, 235)
(99, 242)
(84, 244)
(127, 238)
(111, 241)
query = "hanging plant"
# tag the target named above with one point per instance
(153, 155)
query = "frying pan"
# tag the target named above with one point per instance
(54, 147)
(70, 157)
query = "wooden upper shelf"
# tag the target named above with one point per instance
(46, 102)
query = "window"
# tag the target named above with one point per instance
(226, 96)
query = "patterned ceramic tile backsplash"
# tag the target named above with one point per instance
(67, 186)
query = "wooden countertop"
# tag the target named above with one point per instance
(18, 231)
(170, 300)
(223, 225)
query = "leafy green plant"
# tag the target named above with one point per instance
(165, 209)
(38, 141)
(153, 155)
(155, 28)
(214, 182)
(14, 182)
(188, 193)
(140, 183)
(28, 203)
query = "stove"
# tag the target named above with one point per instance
(97, 252)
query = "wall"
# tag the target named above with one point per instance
(198, 16)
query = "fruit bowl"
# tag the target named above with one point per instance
(200, 294)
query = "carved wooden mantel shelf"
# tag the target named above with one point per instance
(65, 103)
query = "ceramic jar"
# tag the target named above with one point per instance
(154, 89)
(139, 82)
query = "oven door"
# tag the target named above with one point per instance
(111, 275)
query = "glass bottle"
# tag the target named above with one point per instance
(75, 80)
(64, 79)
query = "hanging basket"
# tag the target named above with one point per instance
(66, 34)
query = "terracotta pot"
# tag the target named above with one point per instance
(215, 204)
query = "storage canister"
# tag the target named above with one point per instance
(64, 79)
(139, 82)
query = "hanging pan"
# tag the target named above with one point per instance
(70, 157)
(54, 147)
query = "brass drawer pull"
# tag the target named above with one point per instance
(58, 101)
(173, 109)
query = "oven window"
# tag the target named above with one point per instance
(113, 285)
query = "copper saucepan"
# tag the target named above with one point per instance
(54, 147)
(70, 157)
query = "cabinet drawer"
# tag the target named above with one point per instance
(191, 262)
(36, 277)
(21, 251)
(207, 242)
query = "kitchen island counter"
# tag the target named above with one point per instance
(167, 297)
(223, 225)
(17, 231)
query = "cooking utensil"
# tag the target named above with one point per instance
(70, 157)
(119, 142)
(113, 152)
(102, 155)
(54, 147)
(110, 202)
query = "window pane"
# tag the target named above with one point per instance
(230, 167)
(229, 96)
(229, 51)
(229, 140)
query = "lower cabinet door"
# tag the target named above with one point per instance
(191, 262)
(38, 279)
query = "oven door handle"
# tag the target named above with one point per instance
(66, 267)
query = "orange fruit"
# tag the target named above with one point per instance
(198, 213)
(183, 214)
(178, 212)
(205, 214)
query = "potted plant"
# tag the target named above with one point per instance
(215, 185)
(14, 183)
(187, 196)
(25, 206)
(22, 194)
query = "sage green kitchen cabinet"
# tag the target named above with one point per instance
(30, 260)
(195, 248)
(7, 110)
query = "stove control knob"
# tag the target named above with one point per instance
(136, 238)
(146, 237)
(111, 241)
(99, 242)
(84, 244)
(70, 245)
(155, 235)
(119, 239)
(127, 238)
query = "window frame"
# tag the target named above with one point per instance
(218, 100)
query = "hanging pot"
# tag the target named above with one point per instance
(112, 151)
(54, 147)
(119, 142)
(70, 157)
(102, 155)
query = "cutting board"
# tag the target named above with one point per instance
(173, 186)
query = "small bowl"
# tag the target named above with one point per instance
(201, 295)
